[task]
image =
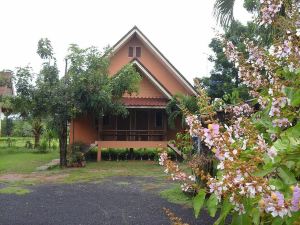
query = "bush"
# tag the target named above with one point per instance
(29, 145)
(76, 155)
(123, 154)
(54, 145)
(43, 148)
(11, 142)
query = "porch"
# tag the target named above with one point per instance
(141, 128)
(138, 125)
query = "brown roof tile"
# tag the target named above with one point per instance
(162, 102)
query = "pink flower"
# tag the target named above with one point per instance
(269, 10)
(284, 122)
(272, 152)
(275, 205)
(296, 199)
(215, 128)
(162, 158)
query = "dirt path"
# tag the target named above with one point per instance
(115, 201)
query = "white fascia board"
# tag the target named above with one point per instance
(150, 77)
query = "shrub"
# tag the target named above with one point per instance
(43, 147)
(75, 154)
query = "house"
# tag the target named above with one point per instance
(146, 125)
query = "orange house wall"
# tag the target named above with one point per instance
(151, 62)
(146, 89)
(84, 130)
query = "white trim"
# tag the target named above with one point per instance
(123, 41)
(135, 30)
(150, 77)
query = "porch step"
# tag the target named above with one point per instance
(175, 149)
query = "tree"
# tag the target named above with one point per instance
(87, 88)
(257, 154)
(177, 104)
(28, 103)
(223, 78)
(8, 128)
(223, 10)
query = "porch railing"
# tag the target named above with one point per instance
(133, 135)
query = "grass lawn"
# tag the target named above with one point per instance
(18, 171)
(12, 161)
(18, 159)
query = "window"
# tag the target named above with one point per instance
(134, 52)
(130, 52)
(138, 51)
(158, 119)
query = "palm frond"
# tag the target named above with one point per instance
(223, 12)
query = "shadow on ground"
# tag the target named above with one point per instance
(115, 201)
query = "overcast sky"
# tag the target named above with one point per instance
(181, 30)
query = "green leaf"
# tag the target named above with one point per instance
(264, 172)
(255, 216)
(212, 205)
(226, 207)
(294, 95)
(198, 202)
(243, 219)
(277, 183)
(277, 221)
(287, 176)
(294, 218)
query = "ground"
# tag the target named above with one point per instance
(109, 192)
(117, 200)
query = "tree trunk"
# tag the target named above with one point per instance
(63, 137)
(37, 140)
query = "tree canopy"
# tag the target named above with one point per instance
(86, 88)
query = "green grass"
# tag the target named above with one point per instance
(22, 160)
(18, 142)
(175, 195)
(14, 190)
(95, 171)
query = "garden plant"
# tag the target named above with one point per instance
(257, 153)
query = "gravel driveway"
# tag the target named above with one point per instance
(115, 201)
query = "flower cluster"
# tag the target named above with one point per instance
(277, 104)
(296, 199)
(256, 55)
(194, 123)
(248, 162)
(275, 204)
(176, 174)
(284, 122)
(269, 10)
(242, 110)
(231, 53)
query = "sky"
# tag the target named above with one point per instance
(181, 30)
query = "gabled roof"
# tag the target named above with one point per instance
(148, 43)
(153, 80)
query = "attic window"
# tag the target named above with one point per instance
(130, 52)
(138, 51)
(134, 52)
